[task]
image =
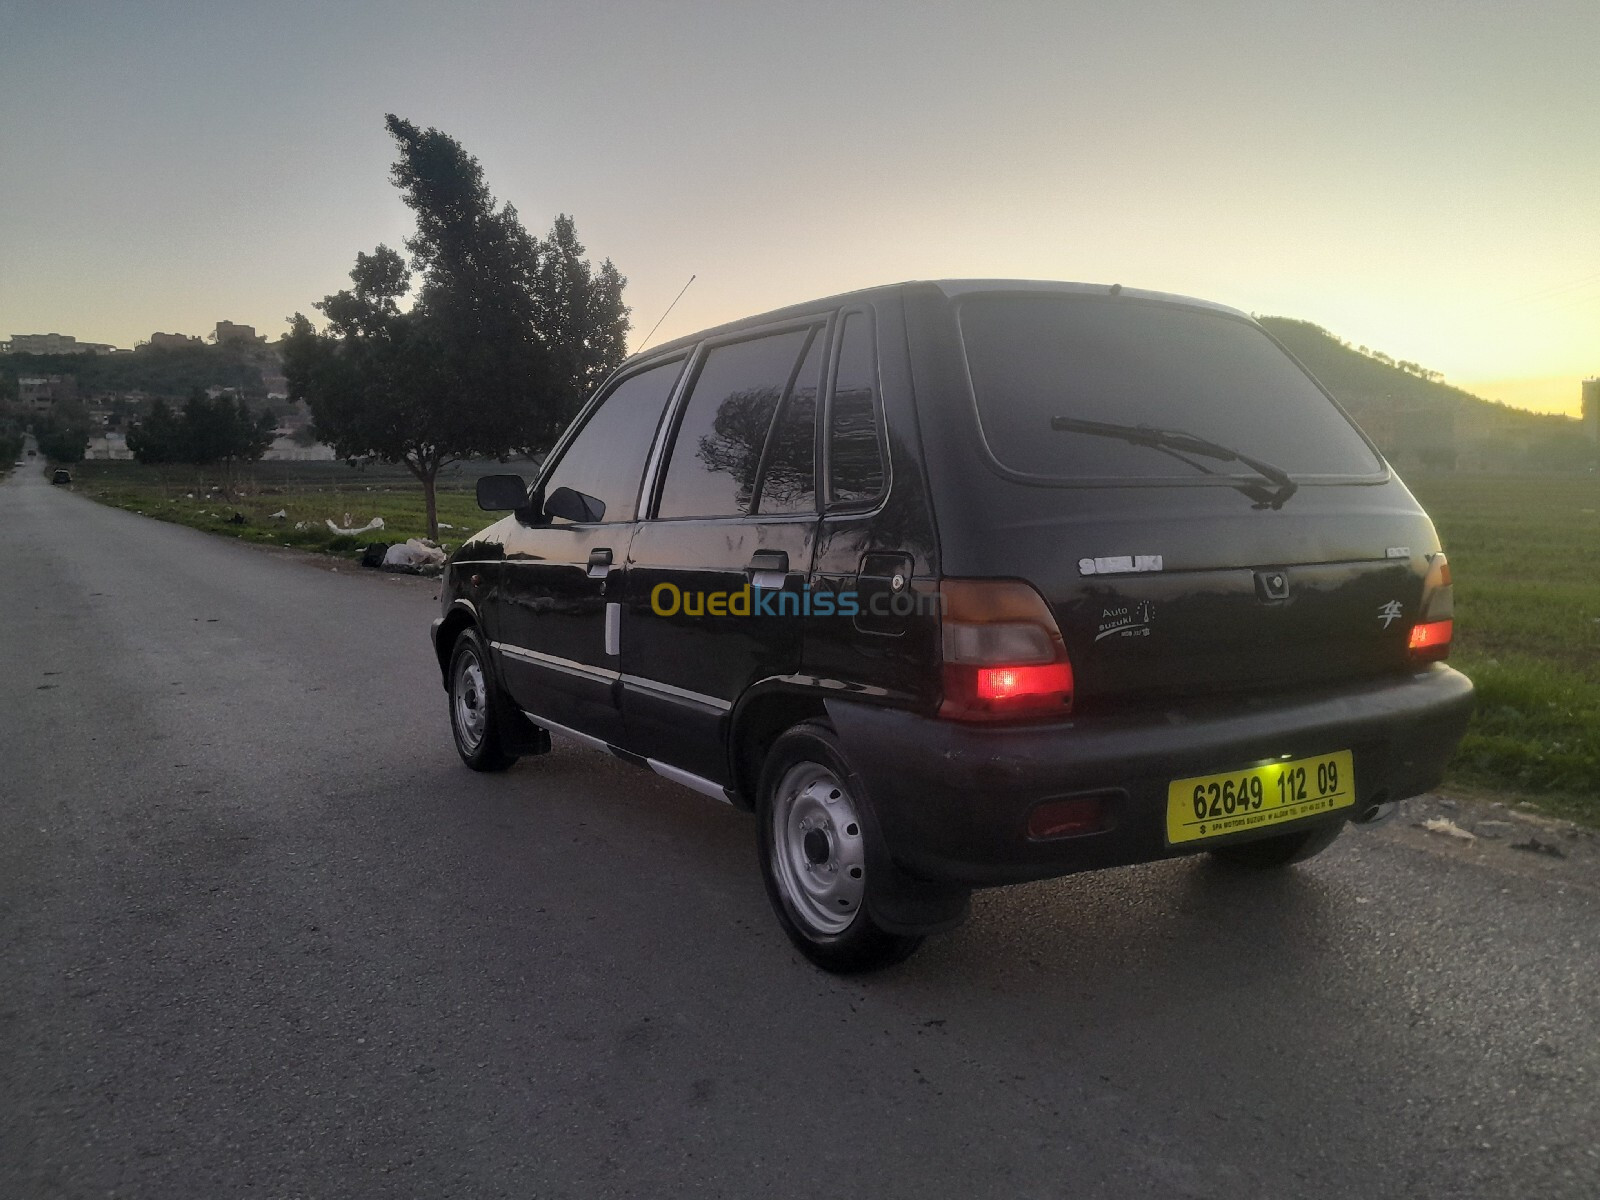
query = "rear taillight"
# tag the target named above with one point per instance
(1003, 655)
(1430, 636)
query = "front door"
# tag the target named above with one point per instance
(563, 577)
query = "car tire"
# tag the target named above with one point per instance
(816, 841)
(1280, 851)
(475, 705)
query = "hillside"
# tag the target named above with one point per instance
(150, 371)
(1417, 419)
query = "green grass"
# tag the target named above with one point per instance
(1525, 557)
(308, 493)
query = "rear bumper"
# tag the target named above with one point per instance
(953, 800)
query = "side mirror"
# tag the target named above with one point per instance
(575, 506)
(502, 493)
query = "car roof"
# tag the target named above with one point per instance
(952, 289)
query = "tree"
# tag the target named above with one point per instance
(63, 433)
(208, 430)
(503, 337)
(158, 438)
(580, 315)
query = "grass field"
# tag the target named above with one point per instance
(1524, 551)
(1525, 557)
(309, 494)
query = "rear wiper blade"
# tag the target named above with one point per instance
(1184, 442)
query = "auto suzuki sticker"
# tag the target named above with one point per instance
(1130, 620)
(1389, 613)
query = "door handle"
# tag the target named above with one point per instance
(599, 562)
(769, 569)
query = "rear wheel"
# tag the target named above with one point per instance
(815, 844)
(475, 704)
(1279, 851)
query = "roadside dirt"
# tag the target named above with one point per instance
(1497, 834)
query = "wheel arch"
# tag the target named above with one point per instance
(764, 712)
(461, 616)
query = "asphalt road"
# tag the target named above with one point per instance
(261, 933)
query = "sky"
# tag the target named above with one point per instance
(1419, 178)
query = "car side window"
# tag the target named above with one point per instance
(605, 463)
(722, 432)
(788, 474)
(856, 473)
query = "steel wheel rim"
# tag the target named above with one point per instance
(818, 853)
(469, 701)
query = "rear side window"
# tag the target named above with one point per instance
(788, 478)
(855, 442)
(722, 433)
(1134, 362)
(605, 462)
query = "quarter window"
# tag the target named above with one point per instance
(855, 443)
(605, 462)
(723, 430)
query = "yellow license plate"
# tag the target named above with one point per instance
(1209, 806)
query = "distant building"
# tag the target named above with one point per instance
(54, 343)
(175, 340)
(38, 394)
(229, 334)
(286, 449)
(1591, 408)
(110, 446)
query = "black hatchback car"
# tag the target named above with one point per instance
(968, 583)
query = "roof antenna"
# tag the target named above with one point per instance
(1116, 289)
(664, 316)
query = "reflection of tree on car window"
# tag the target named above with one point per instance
(789, 484)
(855, 456)
(738, 434)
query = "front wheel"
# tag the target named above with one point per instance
(1280, 851)
(475, 702)
(814, 839)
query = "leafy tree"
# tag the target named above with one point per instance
(208, 430)
(10, 441)
(63, 433)
(582, 319)
(501, 340)
(158, 438)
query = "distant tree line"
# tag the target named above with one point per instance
(206, 430)
(10, 440)
(491, 355)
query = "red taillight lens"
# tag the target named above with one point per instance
(1430, 637)
(1009, 683)
(1430, 641)
(1003, 655)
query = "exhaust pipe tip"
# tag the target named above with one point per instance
(1377, 811)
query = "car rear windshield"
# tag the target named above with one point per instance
(1127, 361)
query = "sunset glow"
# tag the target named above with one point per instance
(1416, 179)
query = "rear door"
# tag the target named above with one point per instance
(716, 576)
(1172, 571)
(559, 607)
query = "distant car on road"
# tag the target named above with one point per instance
(18, 463)
(963, 584)
(61, 477)
(31, 453)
